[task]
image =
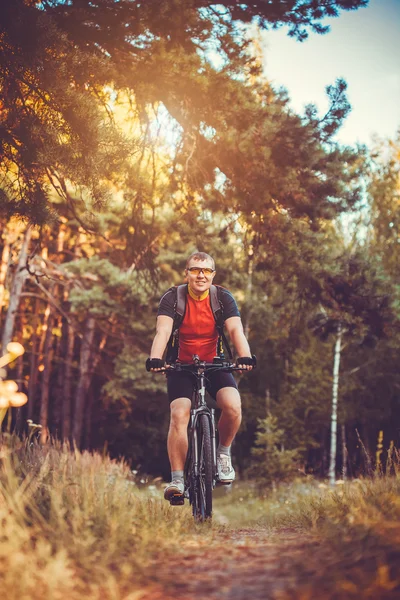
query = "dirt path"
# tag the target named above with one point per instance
(238, 565)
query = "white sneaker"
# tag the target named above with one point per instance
(175, 488)
(226, 473)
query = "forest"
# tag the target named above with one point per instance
(134, 133)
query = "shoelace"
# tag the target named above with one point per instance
(225, 462)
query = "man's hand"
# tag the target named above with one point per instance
(155, 364)
(247, 363)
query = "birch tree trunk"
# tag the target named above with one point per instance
(84, 379)
(335, 388)
(16, 290)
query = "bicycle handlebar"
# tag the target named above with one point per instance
(225, 365)
(218, 364)
(207, 367)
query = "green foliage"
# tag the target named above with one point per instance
(104, 288)
(384, 194)
(273, 463)
(60, 62)
(53, 127)
(304, 407)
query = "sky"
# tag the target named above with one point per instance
(363, 47)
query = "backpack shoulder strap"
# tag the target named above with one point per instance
(218, 312)
(216, 305)
(180, 305)
(179, 313)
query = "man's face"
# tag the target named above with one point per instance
(198, 281)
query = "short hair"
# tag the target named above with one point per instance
(200, 256)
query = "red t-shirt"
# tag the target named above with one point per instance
(198, 333)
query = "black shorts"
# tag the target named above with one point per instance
(181, 385)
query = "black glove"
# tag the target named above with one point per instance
(247, 360)
(154, 363)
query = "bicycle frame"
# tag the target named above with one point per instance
(199, 407)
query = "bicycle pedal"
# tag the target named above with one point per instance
(177, 500)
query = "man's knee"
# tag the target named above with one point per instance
(228, 400)
(234, 411)
(180, 412)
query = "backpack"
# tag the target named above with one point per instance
(180, 309)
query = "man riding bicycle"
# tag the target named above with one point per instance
(199, 335)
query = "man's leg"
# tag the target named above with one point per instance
(177, 445)
(177, 442)
(228, 400)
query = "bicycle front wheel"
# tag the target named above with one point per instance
(202, 505)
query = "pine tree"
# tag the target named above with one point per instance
(58, 57)
(273, 463)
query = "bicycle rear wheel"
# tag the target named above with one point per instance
(202, 497)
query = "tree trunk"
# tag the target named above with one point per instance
(61, 343)
(16, 290)
(86, 357)
(32, 377)
(59, 354)
(36, 361)
(19, 423)
(69, 355)
(88, 419)
(335, 388)
(45, 392)
(90, 403)
(46, 352)
(344, 453)
(5, 257)
(249, 290)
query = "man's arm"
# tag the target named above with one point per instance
(163, 333)
(234, 328)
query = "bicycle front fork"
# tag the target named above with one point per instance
(214, 445)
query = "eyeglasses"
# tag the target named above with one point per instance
(198, 270)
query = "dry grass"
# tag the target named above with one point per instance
(75, 525)
(357, 525)
(79, 525)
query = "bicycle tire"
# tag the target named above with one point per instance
(202, 500)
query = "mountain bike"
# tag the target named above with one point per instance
(200, 473)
